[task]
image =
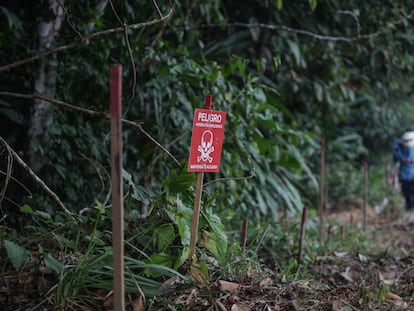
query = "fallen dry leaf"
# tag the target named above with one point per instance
(266, 282)
(240, 307)
(232, 299)
(137, 304)
(362, 258)
(192, 297)
(386, 278)
(220, 306)
(391, 296)
(197, 273)
(229, 286)
(336, 305)
(347, 274)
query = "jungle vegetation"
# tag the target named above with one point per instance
(287, 73)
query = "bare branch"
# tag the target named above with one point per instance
(99, 9)
(157, 8)
(86, 38)
(91, 113)
(7, 173)
(252, 175)
(129, 50)
(68, 19)
(19, 183)
(37, 180)
(314, 35)
(116, 13)
(356, 19)
(137, 125)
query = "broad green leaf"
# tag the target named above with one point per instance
(313, 4)
(161, 260)
(279, 4)
(294, 47)
(16, 253)
(164, 236)
(26, 209)
(43, 215)
(54, 264)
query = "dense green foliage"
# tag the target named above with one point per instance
(286, 72)
(281, 88)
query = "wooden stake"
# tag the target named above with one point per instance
(117, 187)
(365, 193)
(302, 234)
(198, 193)
(196, 212)
(244, 235)
(322, 191)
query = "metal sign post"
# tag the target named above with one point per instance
(117, 187)
(205, 154)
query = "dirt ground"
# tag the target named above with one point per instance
(383, 280)
(339, 281)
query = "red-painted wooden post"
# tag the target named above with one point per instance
(302, 234)
(198, 193)
(117, 187)
(365, 193)
(322, 190)
(243, 239)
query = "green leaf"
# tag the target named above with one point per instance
(44, 215)
(181, 181)
(279, 4)
(313, 4)
(54, 264)
(26, 209)
(164, 236)
(161, 259)
(294, 47)
(17, 254)
(139, 193)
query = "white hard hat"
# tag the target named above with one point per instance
(408, 139)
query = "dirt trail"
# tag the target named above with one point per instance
(383, 280)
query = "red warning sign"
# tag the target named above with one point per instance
(206, 140)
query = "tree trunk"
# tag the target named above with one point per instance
(47, 30)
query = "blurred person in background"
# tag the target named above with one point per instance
(403, 151)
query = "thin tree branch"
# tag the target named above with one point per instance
(86, 38)
(252, 175)
(314, 35)
(157, 8)
(19, 183)
(356, 19)
(132, 61)
(116, 13)
(37, 180)
(128, 45)
(65, 11)
(7, 173)
(98, 167)
(91, 113)
(139, 126)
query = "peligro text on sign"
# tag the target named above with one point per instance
(209, 117)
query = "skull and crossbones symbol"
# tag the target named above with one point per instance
(206, 147)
